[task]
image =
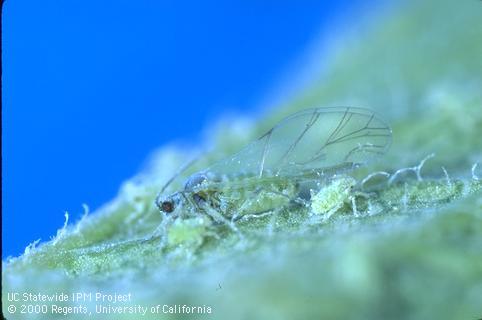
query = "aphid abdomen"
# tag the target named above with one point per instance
(258, 196)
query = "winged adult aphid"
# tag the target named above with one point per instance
(271, 172)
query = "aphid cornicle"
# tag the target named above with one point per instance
(273, 171)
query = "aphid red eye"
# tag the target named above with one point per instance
(167, 206)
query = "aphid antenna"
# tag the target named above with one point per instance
(474, 176)
(181, 170)
(415, 169)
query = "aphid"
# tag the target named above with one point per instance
(328, 200)
(281, 167)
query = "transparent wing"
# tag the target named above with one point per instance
(312, 139)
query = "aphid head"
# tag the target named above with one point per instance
(168, 204)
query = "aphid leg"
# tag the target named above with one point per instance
(353, 206)
(322, 218)
(213, 214)
(373, 209)
(352, 198)
(272, 221)
(332, 211)
(271, 224)
(218, 217)
(257, 215)
(296, 200)
(213, 234)
(194, 204)
(301, 202)
(235, 217)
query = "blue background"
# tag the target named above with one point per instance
(90, 88)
